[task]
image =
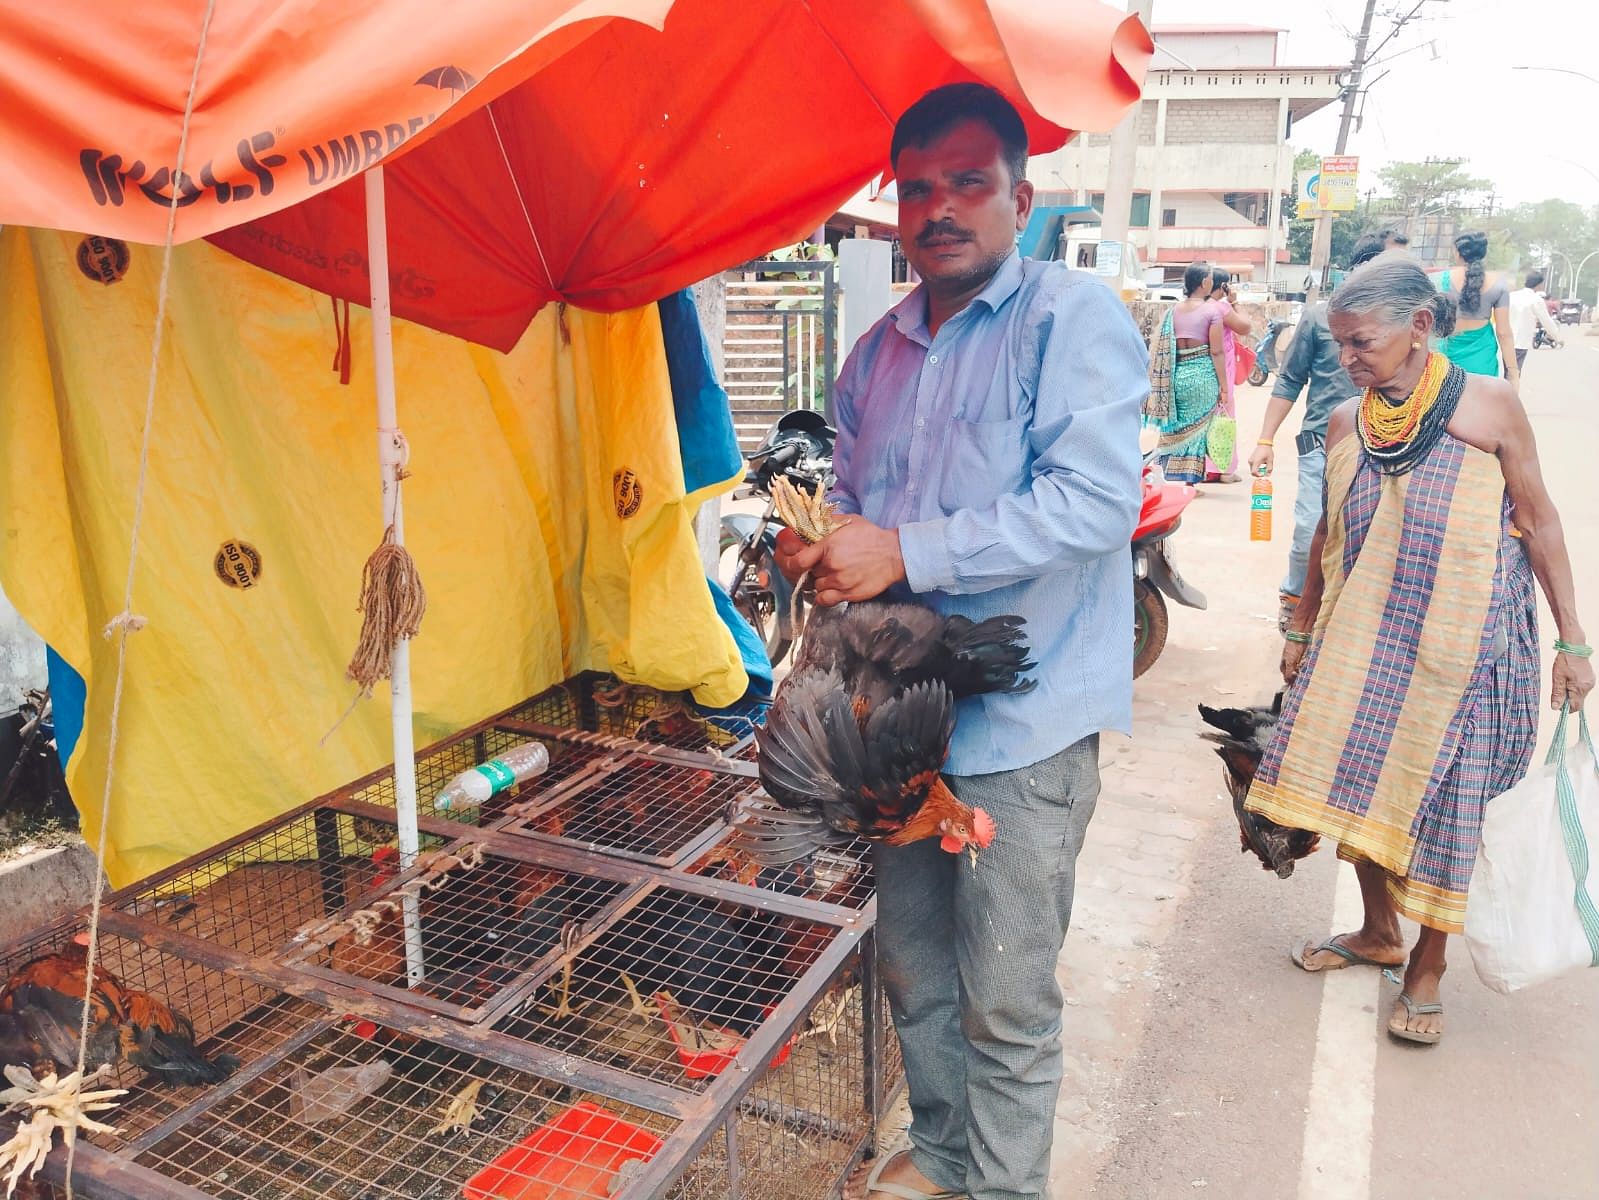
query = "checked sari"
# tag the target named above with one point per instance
(1417, 702)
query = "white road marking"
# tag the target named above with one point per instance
(1336, 1161)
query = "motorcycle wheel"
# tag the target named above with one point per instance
(1257, 375)
(1149, 626)
(759, 606)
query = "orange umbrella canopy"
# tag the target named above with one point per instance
(602, 152)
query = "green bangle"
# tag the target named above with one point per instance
(1576, 651)
(1294, 636)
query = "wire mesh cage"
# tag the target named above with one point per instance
(640, 807)
(597, 703)
(255, 892)
(171, 1029)
(370, 1114)
(580, 990)
(480, 928)
(841, 875)
(667, 987)
(438, 764)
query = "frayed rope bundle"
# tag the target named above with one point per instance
(392, 604)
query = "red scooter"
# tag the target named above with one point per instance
(1154, 572)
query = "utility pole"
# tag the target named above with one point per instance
(1321, 241)
(1124, 158)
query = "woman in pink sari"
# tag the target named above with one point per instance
(1234, 325)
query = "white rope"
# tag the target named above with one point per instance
(127, 621)
(520, 199)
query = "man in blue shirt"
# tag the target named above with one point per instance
(988, 457)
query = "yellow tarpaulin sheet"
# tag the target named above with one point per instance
(545, 510)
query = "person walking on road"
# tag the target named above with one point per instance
(1188, 378)
(1234, 326)
(1312, 360)
(1529, 310)
(1482, 343)
(988, 459)
(1412, 660)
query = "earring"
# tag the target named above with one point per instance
(1415, 345)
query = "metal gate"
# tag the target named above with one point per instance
(781, 341)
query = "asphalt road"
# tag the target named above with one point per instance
(1201, 1062)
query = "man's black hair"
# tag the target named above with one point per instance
(936, 113)
(1367, 247)
(1534, 278)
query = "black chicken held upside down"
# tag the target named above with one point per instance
(1240, 744)
(860, 729)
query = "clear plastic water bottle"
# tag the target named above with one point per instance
(471, 788)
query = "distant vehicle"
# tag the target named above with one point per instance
(1072, 234)
(1570, 311)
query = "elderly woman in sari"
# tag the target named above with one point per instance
(1188, 378)
(1412, 658)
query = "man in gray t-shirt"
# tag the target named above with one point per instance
(1312, 360)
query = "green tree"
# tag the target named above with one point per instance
(1552, 234)
(1347, 227)
(1435, 187)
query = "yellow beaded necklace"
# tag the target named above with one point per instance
(1383, 424)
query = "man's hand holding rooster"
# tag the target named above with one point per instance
(857, 561)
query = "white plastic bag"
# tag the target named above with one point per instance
(1530, 913)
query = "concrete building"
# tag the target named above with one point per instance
(1213, 158)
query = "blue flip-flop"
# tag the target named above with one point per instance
(1412, 1011)
(1352, 958)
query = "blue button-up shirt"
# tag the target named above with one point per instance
(1005, 451)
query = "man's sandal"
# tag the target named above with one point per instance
(899, 1191)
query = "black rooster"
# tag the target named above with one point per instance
(860, 729)
(1242, 741)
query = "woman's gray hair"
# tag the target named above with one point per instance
(1393, 288)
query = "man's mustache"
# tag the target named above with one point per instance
(943, 229)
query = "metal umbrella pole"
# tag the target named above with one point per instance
(392, 454)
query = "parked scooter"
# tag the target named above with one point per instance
(1266, 352)
(1154, 573)
(799, 445)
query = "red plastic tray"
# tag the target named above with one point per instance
(703, 1064)
(574, 1157)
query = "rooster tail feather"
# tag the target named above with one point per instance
(986, 656)
(174, 1058)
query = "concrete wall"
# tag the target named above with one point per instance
(42, 886)
(1206, 209)
(1211, 167)
(1225, 122)
(1222, 48)
(1146, 128)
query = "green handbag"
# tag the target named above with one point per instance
(1221, 440)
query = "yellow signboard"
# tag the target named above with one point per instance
(1336, 187)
